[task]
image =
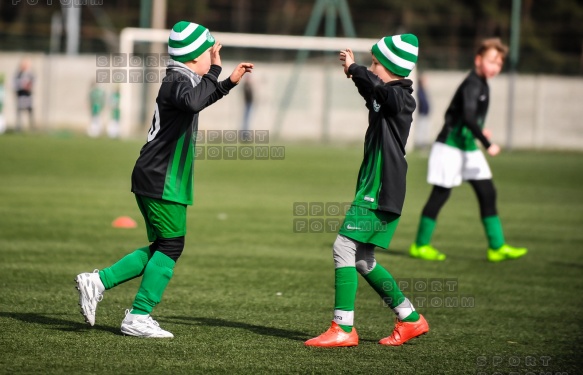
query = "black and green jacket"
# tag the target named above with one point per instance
(466, 114)
(165, 167)
(381, 181)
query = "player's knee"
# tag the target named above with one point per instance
(364, 266)
(343, 250)
(365, 259)
(487, 196)
(485, 190)
(171, 247)
(491, 193)
(442, 193)
(439, 195)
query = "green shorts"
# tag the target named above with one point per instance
(370, 226)
(164, 219)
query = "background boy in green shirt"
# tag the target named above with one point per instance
(455, 157)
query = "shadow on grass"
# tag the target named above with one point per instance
(566, 264)
(55, 323)
(260, 330)
(395, 252)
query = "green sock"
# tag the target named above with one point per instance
(493, 228)
(412, 317)
(383, 283)
(425, 231)
(127, 268)
(346, 283)
(156, 277)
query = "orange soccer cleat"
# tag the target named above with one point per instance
(405, 331)
(334, 337)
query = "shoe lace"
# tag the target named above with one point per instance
(149, 320)
(153, 322)
(397, 330)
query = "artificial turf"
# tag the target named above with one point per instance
(249, 289)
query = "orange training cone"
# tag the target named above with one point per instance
(124, 222)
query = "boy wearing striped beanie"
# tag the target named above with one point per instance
(163, 176)
(380, 192)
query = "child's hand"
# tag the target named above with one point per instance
(487, 133)
(240, 71)
(494, 149)
(347, 56)
(215, 55)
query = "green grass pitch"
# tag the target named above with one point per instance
(248, 290)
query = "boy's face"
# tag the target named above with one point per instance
(377, 68)
(202, 63)
(489, 64)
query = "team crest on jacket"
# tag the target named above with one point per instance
(376, 106)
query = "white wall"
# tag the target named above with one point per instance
(548, 109)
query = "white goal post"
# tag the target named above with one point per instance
(129, 36)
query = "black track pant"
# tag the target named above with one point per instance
(485, 192)
(172, 247)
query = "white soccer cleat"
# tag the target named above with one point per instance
(90, 290)
(142, 326)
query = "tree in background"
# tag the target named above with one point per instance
(551, 38)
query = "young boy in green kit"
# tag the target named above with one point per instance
(380, 192)
(455, 157)
(163, 176)
(114, 102)
(96, 102)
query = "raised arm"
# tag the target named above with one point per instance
(209, 90)
(196, 98)
(358, 74)
(389, 98)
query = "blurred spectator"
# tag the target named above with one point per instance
(113, 127)
(2, 94)
(423, 123)
(248, 100)
(97, 101)
(23, 84)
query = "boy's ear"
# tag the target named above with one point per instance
(478, 60)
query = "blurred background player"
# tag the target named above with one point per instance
(113, 126)
(162, 178)
(96, 102)
(380, 192)
(423, 123)
(23, 86)
(455, 157)
(248, 102)
(2, 96)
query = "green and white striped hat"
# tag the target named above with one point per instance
(397, 53)
(188, 40)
